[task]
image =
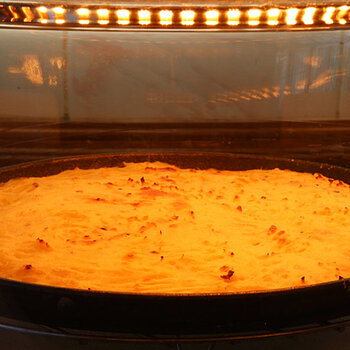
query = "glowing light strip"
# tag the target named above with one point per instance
(291, 15)
(254, 16)
(103, 16)
(84, 15)
(144, 17)
(165, 17)
(233, 16)
(272, 16)
(343, 11)
(212, 17)
(29, 16)
(123, 17)
(187, 17)
(59, 14)
(173, 17)
(15, 15)
(308, 15)
(327, 17)
(43, 17)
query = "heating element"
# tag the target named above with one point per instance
(171, 17)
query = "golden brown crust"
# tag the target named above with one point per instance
(155, 228)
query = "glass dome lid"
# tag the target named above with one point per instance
(177, 14)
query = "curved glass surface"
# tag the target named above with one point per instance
(66, 93)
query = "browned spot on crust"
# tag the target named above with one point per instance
(42, 242)
(228, 276)
(86, 242)
(151, 192)
(272, 229)
(135, 204)
(166, 178)
(99, 200)
(282, 242)
(147, 226)
(148, 168)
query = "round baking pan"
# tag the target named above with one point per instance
(173, 316)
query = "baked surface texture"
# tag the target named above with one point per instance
(156, 228)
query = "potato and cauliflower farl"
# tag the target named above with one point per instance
(156, 228)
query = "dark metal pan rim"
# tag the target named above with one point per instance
(170, 153)
(343, 284)
(340, 325)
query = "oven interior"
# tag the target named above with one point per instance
(90, 84)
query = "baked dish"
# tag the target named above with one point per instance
(156, 228)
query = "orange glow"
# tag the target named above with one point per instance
(123, 17)
(272, 16)
(103, 16)
(308, 15)
(58, 10)
(83, 14)
(28, 14)
(42, 9)
(59, 14)
(254, 16)
(327, 17)
(233, 17)
(157, 15)
(166, 17)
(342, 11)
(212, 17)
(15, 15)
(291, 16)
(187, 17)
(144, 17)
